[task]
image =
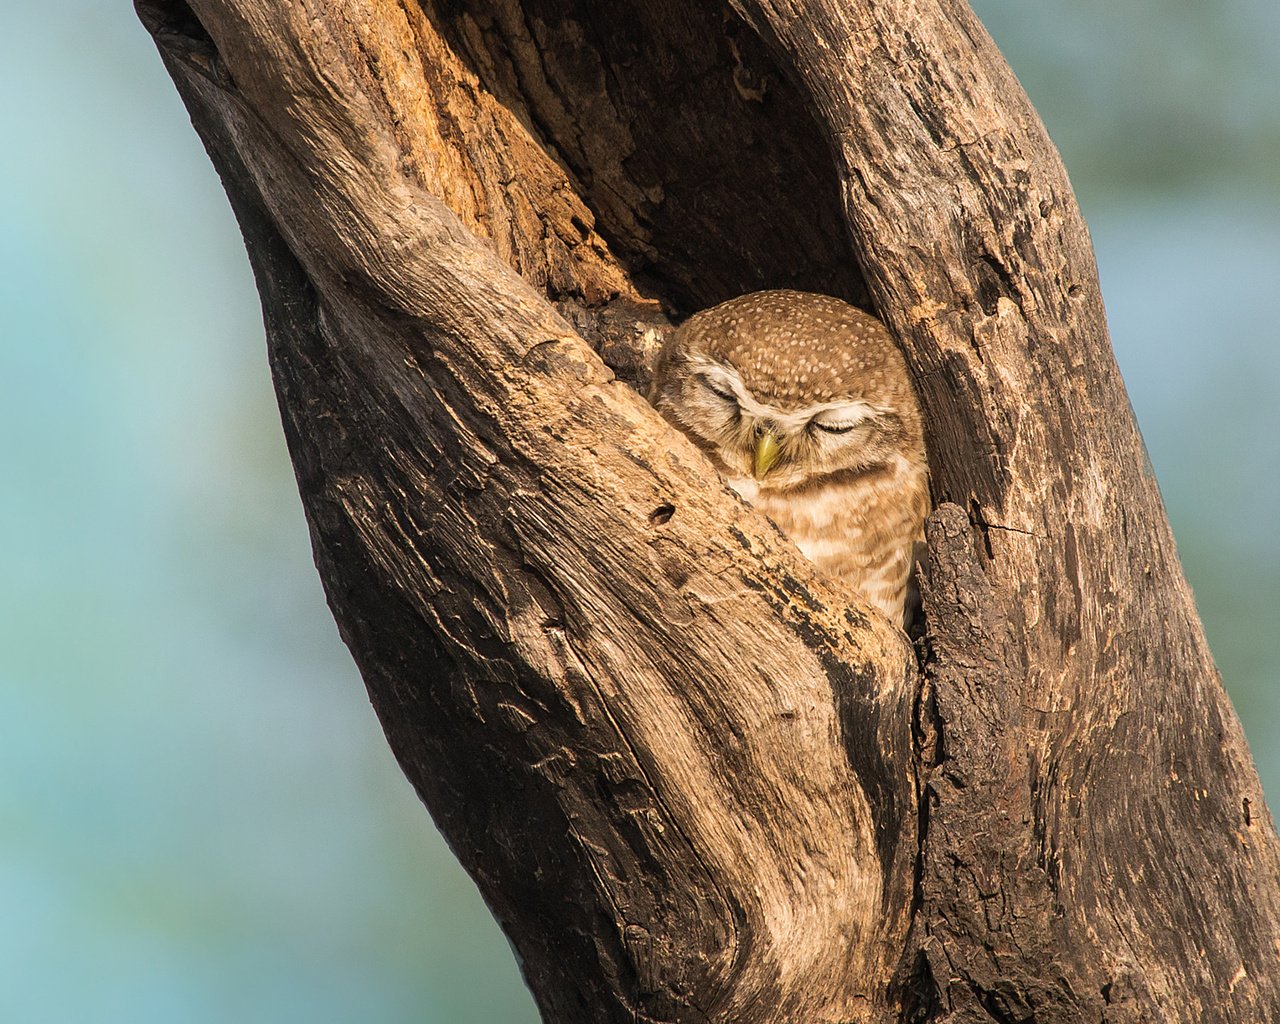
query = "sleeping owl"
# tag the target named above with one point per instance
(804, 405)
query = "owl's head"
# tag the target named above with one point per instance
(788, 387)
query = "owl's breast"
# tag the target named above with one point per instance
(862, 528)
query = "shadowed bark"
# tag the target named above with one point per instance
(694, 780)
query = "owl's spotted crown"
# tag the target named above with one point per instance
(797, 348)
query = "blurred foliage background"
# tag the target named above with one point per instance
(199, 820)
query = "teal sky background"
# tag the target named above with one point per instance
(199, 819)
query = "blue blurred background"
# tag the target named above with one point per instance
(199, 820)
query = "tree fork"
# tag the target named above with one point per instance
(694, 780)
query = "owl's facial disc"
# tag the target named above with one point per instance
(781, 446)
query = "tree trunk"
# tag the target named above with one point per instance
(694, 780)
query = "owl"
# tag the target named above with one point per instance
(804, 405)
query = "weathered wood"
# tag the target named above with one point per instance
(1125, 783)
(694, 780)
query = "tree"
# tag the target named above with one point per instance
(694, 780)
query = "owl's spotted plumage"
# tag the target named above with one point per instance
(805, 407)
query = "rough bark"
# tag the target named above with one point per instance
(694, 780)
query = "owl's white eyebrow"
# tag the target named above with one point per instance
(850, 413)
(716, 374)
(847, 414)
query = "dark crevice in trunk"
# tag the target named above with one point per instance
(704, 166)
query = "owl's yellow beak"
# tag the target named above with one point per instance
(766, 453)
